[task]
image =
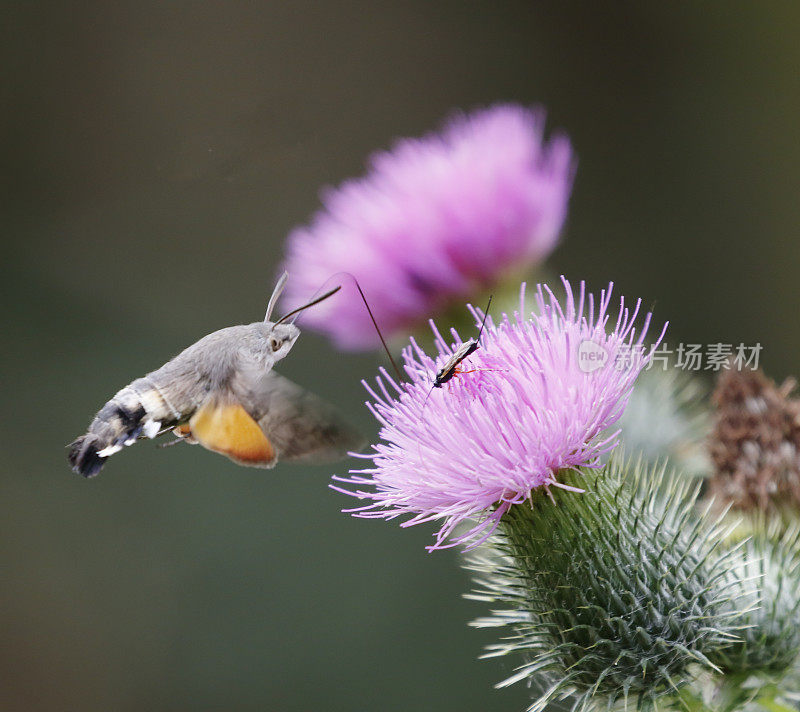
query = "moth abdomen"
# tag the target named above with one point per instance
(83, 455)
(138, 409)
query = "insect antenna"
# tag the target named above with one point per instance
(485, 314)
(425, 402)
(276, 293)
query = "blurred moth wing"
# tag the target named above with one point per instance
(222, 394)
(270, 419)
(301, 426)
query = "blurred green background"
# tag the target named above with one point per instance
(156, 154)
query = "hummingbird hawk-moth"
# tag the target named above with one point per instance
(222, 393)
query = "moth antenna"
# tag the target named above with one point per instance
(308, 304)
(276, 293)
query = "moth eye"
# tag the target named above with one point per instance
(274, 343)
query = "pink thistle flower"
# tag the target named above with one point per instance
(433, 222)
(530, 402)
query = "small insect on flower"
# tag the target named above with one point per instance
(222, 393)
(453, 365)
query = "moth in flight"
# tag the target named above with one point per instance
(222, 393)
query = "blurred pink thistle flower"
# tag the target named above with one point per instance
(529, 408)
(434, 221)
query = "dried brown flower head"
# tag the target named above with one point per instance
(755, 443)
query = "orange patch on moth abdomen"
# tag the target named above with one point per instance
(230, 431)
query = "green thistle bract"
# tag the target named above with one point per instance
(614, 594)
(767, 581)
(666, 417)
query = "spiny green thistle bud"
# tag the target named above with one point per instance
(767, 581)
(613, 594)
(667, 417)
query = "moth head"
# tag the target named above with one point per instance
(280, 339)
(282, 333)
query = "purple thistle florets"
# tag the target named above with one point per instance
(433, 222)
(538, 396)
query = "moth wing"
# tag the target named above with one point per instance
(227, 428)
(301, 426)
